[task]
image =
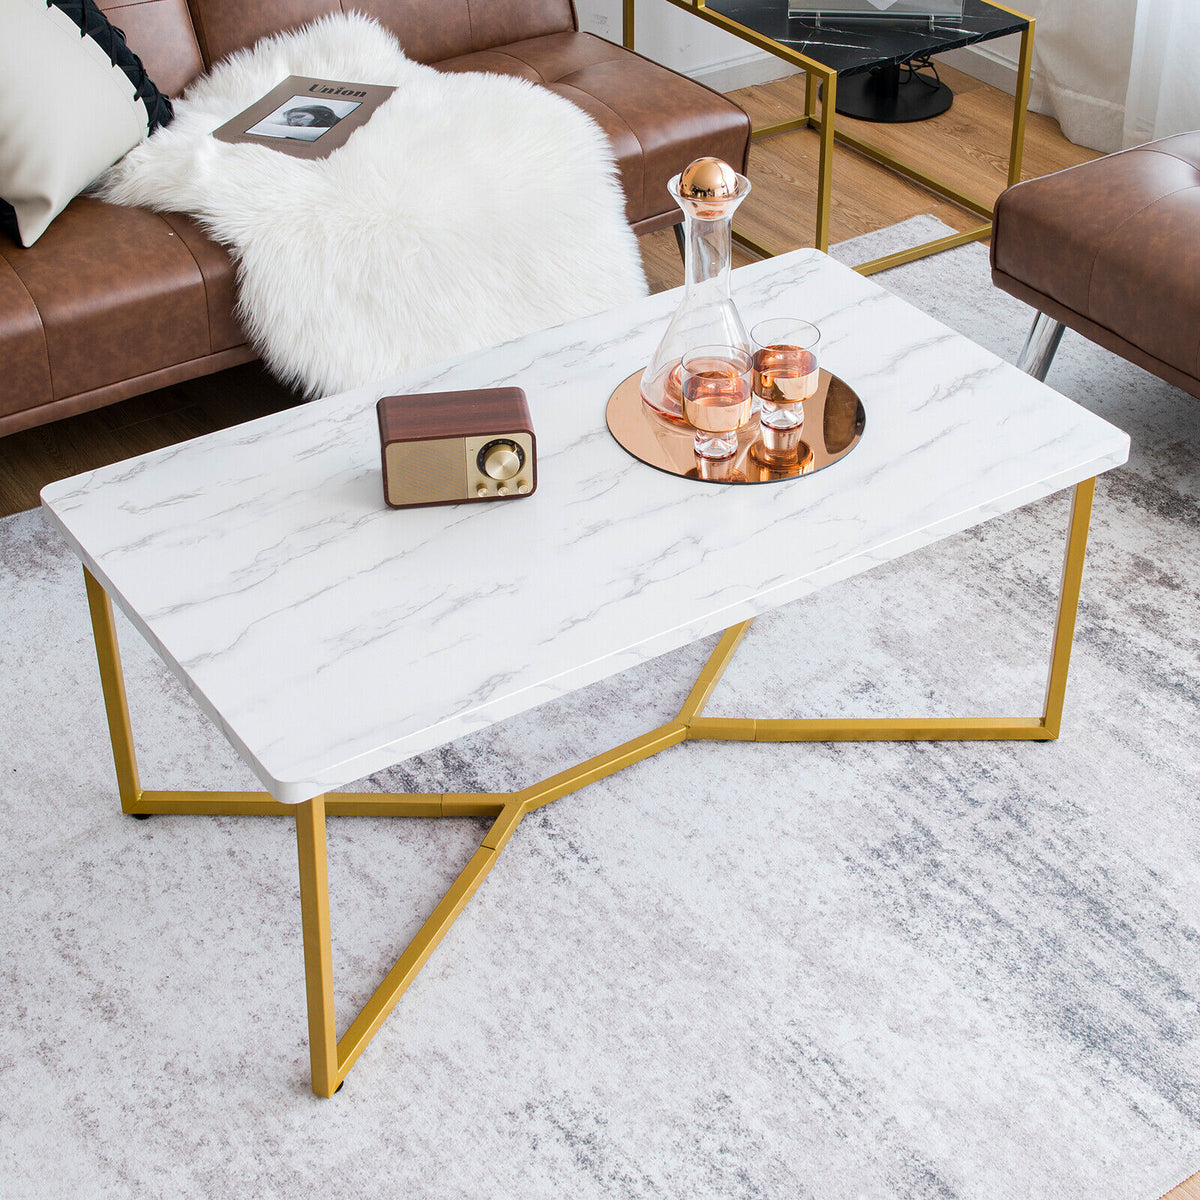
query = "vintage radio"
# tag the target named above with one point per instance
(451, 447)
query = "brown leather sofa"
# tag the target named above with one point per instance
(1110, 249)
(112, 302)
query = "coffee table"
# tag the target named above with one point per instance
(831, 49)
(329, 636)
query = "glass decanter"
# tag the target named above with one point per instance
(708, 192)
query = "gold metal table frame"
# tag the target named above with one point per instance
(817, 73)
(331, 1056)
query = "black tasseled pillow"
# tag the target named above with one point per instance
(73, 99)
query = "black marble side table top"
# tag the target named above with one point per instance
(858, 45)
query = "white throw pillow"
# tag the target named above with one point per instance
(66, 112)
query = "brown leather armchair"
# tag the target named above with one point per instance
(1112, 250)
(112, 302)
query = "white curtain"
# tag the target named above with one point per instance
(1081, 53)
(1164, 78)
(1116, 73)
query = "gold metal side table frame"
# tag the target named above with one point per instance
(331, 1056)
(816, 72)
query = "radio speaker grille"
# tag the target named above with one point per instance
(426, 471)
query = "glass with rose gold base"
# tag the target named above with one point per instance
(717, 395)
(786, 369)
(786, 375)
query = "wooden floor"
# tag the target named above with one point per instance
(966, 146)
(1188, 1190)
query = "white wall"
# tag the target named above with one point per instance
(685, 43)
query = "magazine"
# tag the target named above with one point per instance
(309, 118)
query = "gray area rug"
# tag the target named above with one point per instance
(736, 971)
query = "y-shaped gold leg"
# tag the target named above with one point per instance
(332, 1057)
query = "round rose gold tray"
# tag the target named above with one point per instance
(833, 424)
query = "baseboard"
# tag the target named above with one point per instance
(746, 70)
(998, 69)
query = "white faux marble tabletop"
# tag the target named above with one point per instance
(330, 636)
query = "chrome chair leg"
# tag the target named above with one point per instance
(1040, 345)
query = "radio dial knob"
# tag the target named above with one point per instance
(502, 461)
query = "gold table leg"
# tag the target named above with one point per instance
(828, 129)
(1068, 606)
(1016, 148)
(331, 1057)
(318, 945)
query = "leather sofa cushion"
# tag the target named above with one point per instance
(1113, 243)
(657, 120)
(121, 292)
(460, 27)
(22, 346)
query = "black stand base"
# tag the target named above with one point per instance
(878, 95)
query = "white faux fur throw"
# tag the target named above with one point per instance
(468, 210)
